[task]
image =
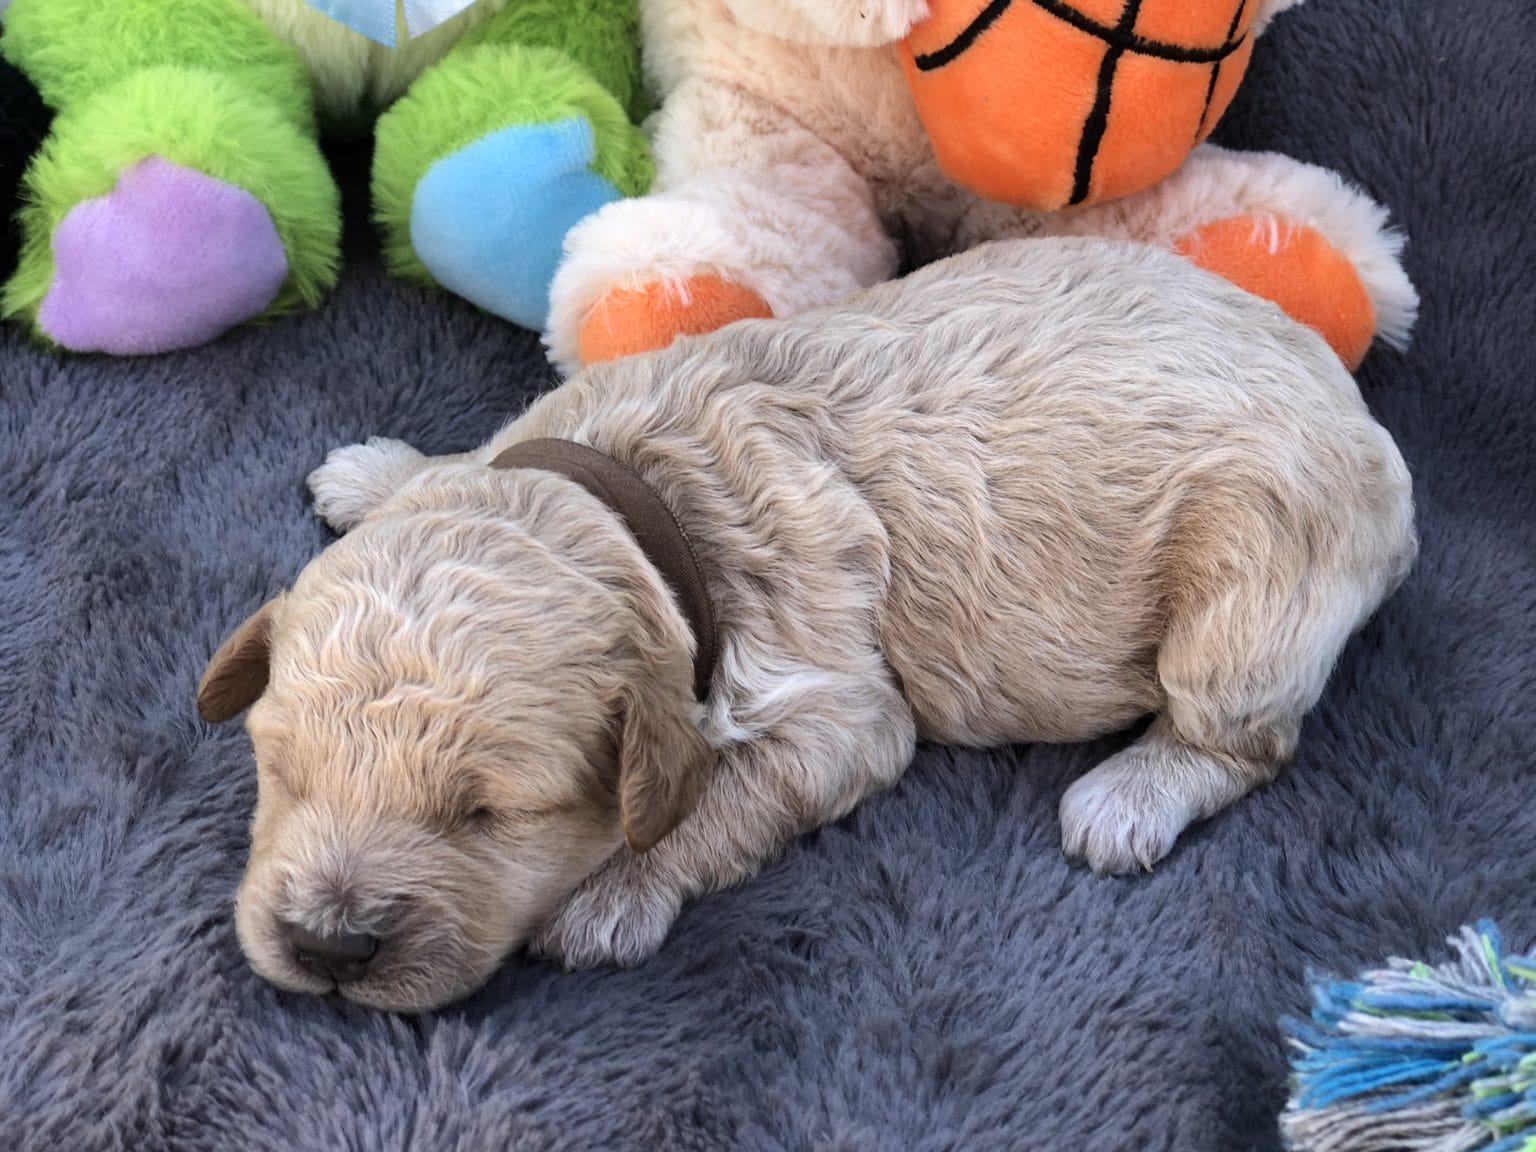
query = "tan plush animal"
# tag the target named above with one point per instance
(1032, 493)
(795, 166)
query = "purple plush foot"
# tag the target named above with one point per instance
(168, 259)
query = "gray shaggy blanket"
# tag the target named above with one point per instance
(927, 974)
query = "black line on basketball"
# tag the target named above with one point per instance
(1210, 91)
(1117, 37)
(967, 37)
(1098, 116)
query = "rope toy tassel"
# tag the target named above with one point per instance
(1411, 1058)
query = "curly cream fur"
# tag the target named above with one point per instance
(1030, 494)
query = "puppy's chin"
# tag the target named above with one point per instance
(409, 989)
(385, 998)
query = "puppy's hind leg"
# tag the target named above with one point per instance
(1127, 813)
(1254, 626)
(356, 479)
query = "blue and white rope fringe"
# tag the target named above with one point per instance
(1411, 1058)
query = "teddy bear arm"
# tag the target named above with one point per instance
(753, 215)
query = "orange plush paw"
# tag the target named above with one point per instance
(631, 320)
(1294, 266)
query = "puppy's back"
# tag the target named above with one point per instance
(1038, 445)
(1050, 317)
(1062, 437)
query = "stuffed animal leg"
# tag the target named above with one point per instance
(181, 190)
(22, 130)
(1291, 232)
(752, 216)
(524, 128)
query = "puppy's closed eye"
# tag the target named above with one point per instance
(483, 819)
(494, 821)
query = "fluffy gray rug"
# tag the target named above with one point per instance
(929, 974)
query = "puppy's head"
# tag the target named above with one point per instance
(459, 711)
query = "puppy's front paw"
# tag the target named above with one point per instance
(620, 915)
(1120, 818)
(356, 479)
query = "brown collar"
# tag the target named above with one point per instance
(648, 519)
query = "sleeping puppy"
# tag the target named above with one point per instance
(1035, 492)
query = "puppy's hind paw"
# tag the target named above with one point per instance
(1117, 819)
(619, 916)
(356, 479)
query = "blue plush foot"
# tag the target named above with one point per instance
(488, 221)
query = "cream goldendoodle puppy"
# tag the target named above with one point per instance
(1031, 493)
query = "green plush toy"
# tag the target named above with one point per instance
(182, 191)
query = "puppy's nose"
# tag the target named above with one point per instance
(343, 957)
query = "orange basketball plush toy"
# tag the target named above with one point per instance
(1051, 103)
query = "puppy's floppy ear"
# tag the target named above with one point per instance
(664, 761)
(237, 675)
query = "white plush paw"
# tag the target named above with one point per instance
(1120, 817)
(356, 479)
(620, 915)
